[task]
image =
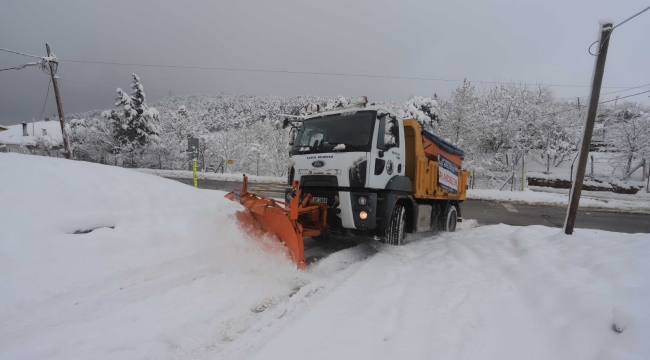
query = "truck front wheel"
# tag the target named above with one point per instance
(448, 220)
(394, 233)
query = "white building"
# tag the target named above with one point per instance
(38, 137)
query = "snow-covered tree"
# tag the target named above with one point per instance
(630, 134)
(556, 138)
(425, 110)
(459, 112)
(136, 124)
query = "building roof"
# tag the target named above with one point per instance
(14, 133)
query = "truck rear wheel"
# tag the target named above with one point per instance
(447, 222)
(394, 233)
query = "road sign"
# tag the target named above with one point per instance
(447, 174)
(192, 151)
(230, 161)
(192, 146)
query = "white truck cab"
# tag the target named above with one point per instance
(379, 174)
(349, 158)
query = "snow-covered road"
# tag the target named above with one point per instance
(167, 274)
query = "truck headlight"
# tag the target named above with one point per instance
(363, 215)
(362, 201)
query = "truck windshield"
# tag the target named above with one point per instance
(336, 133)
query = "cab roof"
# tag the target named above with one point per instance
(346, 110)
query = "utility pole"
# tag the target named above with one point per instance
(599, 70)
(523, 169)
(59, 106)
(647, 185)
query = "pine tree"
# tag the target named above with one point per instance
(137, 124)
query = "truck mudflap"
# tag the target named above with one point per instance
(289, 222)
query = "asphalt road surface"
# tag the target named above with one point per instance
(493, 212)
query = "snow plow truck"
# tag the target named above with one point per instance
(360, 170)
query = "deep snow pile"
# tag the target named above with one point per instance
(166, 273)
(175, 278)
(494, 292)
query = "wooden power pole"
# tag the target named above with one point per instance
(59, 106)
(597, 81)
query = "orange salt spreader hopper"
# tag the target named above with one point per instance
(289, 222)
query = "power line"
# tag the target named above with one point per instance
(613, 92)
(104, 86)
(614, 27)
(19, 53)
(324, 73)
(602, 102)
(20, 66)
(607, 93)
(46, 96)
(623, 97)
(631, 17)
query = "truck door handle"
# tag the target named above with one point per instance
(379, 166)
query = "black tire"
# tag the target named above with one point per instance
(447, 222)
(394, 233)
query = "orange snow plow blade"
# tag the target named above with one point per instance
(288, 221)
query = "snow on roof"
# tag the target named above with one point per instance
(3, 127)
(347, 110)
(14, 133)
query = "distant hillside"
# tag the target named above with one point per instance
(224, 111)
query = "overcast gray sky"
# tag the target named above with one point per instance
(490, 40)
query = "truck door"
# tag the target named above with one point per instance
(387, 155)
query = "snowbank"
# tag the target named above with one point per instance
(639, 203)
(166, 272)
(495, 292)
(181, 174)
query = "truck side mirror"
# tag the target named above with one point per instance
(285, 123)
(292, 137)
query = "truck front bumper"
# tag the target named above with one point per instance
(346, 209)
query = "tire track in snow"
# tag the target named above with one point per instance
(324, 276)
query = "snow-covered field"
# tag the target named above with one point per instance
(638, 203)
(167, 274)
